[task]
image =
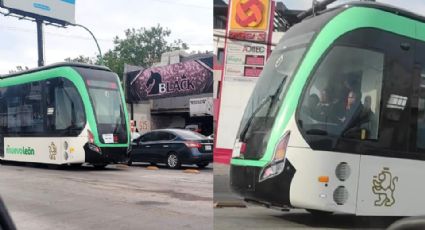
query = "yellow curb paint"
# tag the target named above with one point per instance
(191, 171)
(152, 168)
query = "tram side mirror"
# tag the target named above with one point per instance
(405, 46)
(6, 222)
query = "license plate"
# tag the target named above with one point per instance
(108, 138)
(208, 147)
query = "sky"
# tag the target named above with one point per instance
(417, 6)
(188, 20)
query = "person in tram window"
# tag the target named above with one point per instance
(311, 107)
(328, 106)
(420, 139)
(352, 110)
(367, 117)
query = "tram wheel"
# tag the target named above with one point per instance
(76, 165)
(99, 166)
(51, 166)
(319, 213)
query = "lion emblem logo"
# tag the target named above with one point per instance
(52, 151)
(384, 186)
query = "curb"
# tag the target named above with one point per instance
(122, 166)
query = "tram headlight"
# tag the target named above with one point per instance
(277, 165)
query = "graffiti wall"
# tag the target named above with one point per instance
(180, 79)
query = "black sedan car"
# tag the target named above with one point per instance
(172, 147)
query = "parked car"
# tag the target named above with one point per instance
(172, 147)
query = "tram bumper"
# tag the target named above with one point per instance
(96, 155)
(274, 191)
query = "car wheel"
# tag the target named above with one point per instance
(202, 165)
(99, 166)
(173, 161)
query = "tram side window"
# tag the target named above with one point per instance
(24, 108)
(343, 99)
(64, 106)
(420, 137)
(3, 110)
(33, 108)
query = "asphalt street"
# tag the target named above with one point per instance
(258, 217)
(118, 197)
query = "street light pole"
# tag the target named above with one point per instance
(95, 40)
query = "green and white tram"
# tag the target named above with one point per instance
(336, 122)
(63, 114)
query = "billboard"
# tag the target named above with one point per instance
(53, 10)
(180, 79)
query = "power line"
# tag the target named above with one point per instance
(19, 29)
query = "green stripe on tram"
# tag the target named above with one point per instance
(348, 20)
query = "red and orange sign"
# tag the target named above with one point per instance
(249, 14)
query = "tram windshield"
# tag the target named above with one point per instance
(106, 99)
(269, 91)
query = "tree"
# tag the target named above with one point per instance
(19, 69)
(141, 47)
(82, 59)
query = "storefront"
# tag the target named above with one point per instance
(161, 96)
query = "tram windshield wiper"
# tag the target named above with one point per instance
(271, 98)
(251, 118)
(275, 95)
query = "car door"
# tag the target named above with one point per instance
(161, 148)
(142, 147)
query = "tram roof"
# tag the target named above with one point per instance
(381, 6)
(56, 65)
